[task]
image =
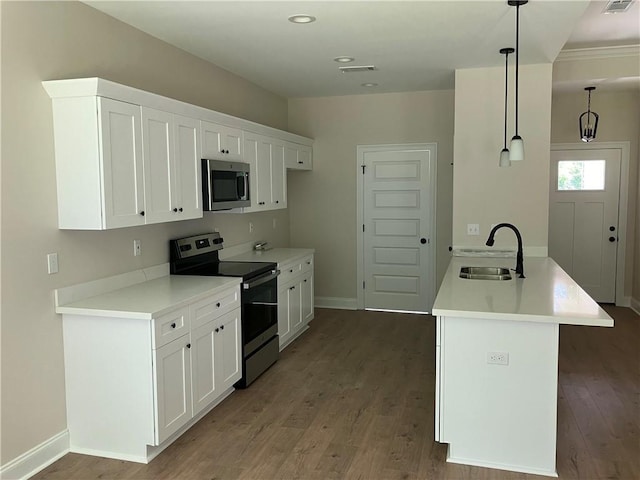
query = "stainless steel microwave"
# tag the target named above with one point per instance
(225, 185)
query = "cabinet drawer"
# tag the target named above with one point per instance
(307, 264)
(288, 271)
(213, 307)
(170, 326)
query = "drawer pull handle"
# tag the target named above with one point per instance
(173, 325)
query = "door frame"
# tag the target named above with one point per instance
(623, 204)
(431, 246)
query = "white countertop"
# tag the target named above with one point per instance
(276, 255)
(151, 298)
(547, 294)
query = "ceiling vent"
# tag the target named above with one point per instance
(617, 6)
(357, 68)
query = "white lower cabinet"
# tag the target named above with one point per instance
(132, 384)
(295, 299)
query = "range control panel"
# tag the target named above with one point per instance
(197, 244)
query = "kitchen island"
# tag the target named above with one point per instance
(497, 362)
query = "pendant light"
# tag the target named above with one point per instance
(504, 154)
(516, 149)
(588, 121)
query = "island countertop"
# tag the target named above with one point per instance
(547, 294)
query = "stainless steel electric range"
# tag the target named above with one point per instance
(198, 255)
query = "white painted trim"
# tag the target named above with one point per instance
(340, 303)
(360, 219)
(623, 203)
(499, 466)
(598, 52)
(38, 458)
(635, 305)
(94, 86)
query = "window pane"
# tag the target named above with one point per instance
(581, 175)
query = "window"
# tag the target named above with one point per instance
(581, 175)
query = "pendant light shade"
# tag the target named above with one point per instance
(589, 121)
(516, 149)
(504, 154)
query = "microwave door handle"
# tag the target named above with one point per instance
(243, 186)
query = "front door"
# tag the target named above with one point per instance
(583, 217)
(397, 239)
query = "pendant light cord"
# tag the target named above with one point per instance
(517, 59)
(506, 87)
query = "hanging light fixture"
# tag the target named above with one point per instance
(588, 121)
(504, 154)
(516, 149)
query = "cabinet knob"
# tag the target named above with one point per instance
(221, 327)
(217, 330)
(175, 209)
(612, 228)
(277, 201)
(173, 325)
(188, 345)
(180, 209)
(300, 162)
(305, 280)
(423, 241)
(142, 213)
(292, 288)
(218, 304)
(612, 239)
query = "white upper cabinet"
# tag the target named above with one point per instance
(220, 142)
(267, 179)
(297, 156)
(171, 159)
(99, 172)
(126, 157)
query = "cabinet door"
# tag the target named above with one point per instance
(172, 393)
(188, 181)
(123, 183)
(256, 150)
(157, 130)
(295, 305)
(278, 174)
(203, 356)
(228, 346)
(297, 157)
(307, 298)
(221, 142)
(284, 320)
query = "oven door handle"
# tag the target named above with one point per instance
(260, 280)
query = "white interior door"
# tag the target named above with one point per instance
(397, 220)
(583, 217)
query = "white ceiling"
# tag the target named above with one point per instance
(415, 45)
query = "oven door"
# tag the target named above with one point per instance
(259, 311)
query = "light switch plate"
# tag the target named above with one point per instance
(52, 263)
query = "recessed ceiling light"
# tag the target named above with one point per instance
(343, 59)
(302, 18)
(369, 85)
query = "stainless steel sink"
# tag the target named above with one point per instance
(485, 273)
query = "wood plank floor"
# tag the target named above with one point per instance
(353, 398)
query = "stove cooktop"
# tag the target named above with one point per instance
(245, 270)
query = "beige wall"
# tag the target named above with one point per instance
(52, 40)
(322, 203)
(619, 122)
(483, 193)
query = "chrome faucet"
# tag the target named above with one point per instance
(519, 255)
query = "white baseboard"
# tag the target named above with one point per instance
(36, 459)
(341, 303)
(635, 305)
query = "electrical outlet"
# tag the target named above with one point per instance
(52, 263)
(250, 227)
(498, 358)
(473, 229)
(137, 248)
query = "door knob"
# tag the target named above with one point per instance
(612, 239)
